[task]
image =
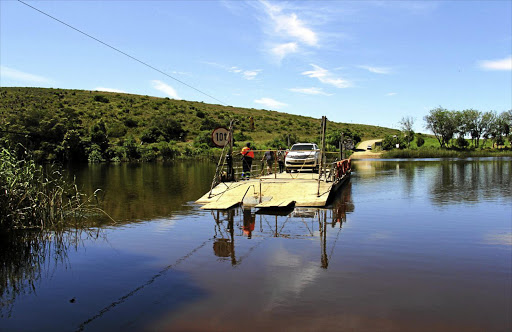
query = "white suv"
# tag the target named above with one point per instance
(303, 156)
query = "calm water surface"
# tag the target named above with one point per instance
(423, 245)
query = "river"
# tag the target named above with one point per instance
(405, 245)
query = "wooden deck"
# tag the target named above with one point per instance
(271, 191)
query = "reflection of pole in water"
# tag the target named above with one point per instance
(223, 246)
(323, 238)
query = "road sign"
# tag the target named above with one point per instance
(220, 137)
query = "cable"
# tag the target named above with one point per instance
(124, 53)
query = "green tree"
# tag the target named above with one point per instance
(98, 134)
(131, 148)
(171, 129)
(442, 123)
(390, 141)
(472, 125)
(333, 138)
(406, 125)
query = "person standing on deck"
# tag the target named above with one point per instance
(247, 157)
(269, 159)
(280, 159)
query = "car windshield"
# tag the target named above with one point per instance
(298, 147)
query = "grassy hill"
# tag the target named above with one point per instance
(60, 124)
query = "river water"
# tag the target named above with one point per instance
(417, 245)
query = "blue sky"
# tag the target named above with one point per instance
(370, 62)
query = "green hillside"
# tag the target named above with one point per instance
(80, 125)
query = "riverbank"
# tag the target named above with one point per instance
(442, 153)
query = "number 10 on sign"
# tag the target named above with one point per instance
(220, 136)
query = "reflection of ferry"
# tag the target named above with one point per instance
(243, 223)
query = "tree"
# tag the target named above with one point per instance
(171, 129)
(406, 125)
(390, 141)
(442, 123)
(98, 133)
(505, 124)
(488, 125)
(333, 138)
(472, 124)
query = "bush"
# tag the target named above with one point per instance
(420, 141)
(168, 150)
(95, 155)
(101, 99)
(130, 123)
(151, 135)
(147, 153)
(462, 142)
(204, 137)
(130, 147)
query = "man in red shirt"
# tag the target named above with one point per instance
(247, 157)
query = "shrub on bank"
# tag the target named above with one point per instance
(444, 153)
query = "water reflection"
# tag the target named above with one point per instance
(239, 224)
(144, 191)
(448, 181)
(29, 256)
(471, 181)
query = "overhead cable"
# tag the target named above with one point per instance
(123, 53)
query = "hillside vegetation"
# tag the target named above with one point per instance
(78, 125)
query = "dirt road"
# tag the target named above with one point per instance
(366, 154)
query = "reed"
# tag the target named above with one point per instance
(35, 197)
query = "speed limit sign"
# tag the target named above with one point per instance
(220, 136)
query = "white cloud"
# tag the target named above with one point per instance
(289, 25)
(310, 91)
(100, 88)
(390, 94)
(13, 74)
(246, 74)
(167, 89)
(250, 74)
(282, 50)
(235, 70)
(501, 64)
(326, 77)
(270, 103)
(376, 70)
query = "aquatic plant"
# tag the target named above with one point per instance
(33, 196)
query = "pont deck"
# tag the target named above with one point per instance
(271, 191)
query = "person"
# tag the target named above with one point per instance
(251, 121)
(247, 157)
(249, 222)
(280, 159)
(269, 159)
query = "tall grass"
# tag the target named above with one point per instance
(443, 153)
(31, 197)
